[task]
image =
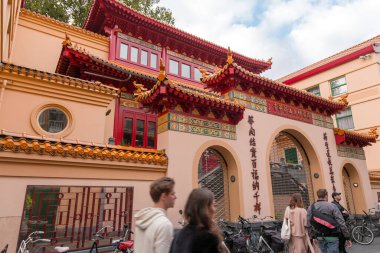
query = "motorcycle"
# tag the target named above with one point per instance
(122, 244)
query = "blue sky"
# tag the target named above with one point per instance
(295, 33)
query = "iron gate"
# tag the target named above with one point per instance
(348, 191)
(290, 173)
(212, 174)
(70, 215)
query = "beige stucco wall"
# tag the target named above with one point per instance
(23, 98)
(363, 81)
(45, 36)
(17, 170)
(183, 149)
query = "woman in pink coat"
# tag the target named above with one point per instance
(297, 214)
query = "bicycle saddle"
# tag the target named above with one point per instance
(61, 249)
(267, 227)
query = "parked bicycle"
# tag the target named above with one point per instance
(372, 224)
(233, 238)
(122, 244)
(98, 236)
(35, 238)
(362, 234)
(268, 239)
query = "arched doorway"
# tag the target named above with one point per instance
(290, 172)
(213, 175)
(347, 187)
(353, 190)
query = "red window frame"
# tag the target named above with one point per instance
(136, 115)
(180, 61)
(139, 47)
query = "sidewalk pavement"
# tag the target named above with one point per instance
(372, 248)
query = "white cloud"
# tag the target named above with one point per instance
(296, 33)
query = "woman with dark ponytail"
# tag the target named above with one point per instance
(201, 234)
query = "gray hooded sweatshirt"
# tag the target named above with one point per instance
(154, 231)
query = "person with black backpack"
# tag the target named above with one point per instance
(336, 198)
(325, 223)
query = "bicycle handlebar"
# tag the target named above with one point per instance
(103, 228)
(41, 241)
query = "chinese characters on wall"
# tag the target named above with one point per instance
(255, 175)
(329, 161)
(289, 111)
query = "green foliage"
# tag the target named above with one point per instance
(51, 8)
(75, 11)
(150, 8)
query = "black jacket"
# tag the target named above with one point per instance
(341, 209)
(330, 209)
(191, 239)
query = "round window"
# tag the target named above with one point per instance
(53, 120)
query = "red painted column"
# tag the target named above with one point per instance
(117, 121)
(113, 34)
(163, 56)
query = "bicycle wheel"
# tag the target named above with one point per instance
(264, 247)
(362, 235)
(253, 244)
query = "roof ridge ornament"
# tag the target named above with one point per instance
(162, 76)
(373, 131)
(230, 60)
(203, 72)
(270, 60)
(343, 99)
(67, 41)
(339, 131)
(216, 69)
(139, 88)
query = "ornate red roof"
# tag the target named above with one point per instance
(77, 62)
(11, 69)
(106, 14)
(354, 138)
(232, 75)
(166, 94)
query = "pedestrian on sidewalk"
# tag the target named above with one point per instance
(154, 231)
(326, 223)
(336, 198)
(298, 242)
(201, 234)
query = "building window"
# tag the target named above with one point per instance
(173, 67)
(144, 58)
(151, 134)
(315, 90)
(53, 120)
(197, 75)
(153, 60)
(291, 156)
(344, 120)
(134, 54)
(127, 131)
(137, 54)
(185, 70)
(338, 86)
(123, 51)
(138, 129)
